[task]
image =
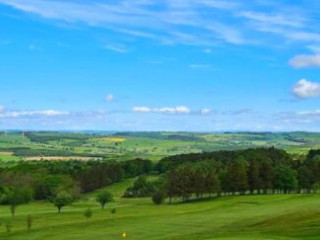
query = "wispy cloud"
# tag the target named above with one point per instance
(162, 20)
(299, 117)
(200, 66)
(117, 48)
(19, 114)
(171, 110)
(192, 22)
(302, 61)
(273, 19)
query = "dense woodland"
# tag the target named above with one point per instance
(252, 171)
(183, 177)
(55, 180)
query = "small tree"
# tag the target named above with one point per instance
(12, 208)
(17, 196)
(103, 198)
(88, 213)
(29, 222)
(62, 199)
(158, 197)
(8, 227)
(113, 211)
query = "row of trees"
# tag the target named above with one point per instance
(254, 171)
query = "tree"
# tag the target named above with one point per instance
(285, 178)
(305, 178)
(8, 226)
(158, 197)
(29, 222)
(103, 198)
(254, 179)
(113, 211)
(62, 199)
(237, 176)
(17, 196)
(88, 213)
(212, 182)
(266, 175)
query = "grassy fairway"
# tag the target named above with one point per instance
(227, 218)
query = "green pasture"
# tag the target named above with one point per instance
(271, 217)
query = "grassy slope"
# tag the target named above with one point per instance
(241, 217)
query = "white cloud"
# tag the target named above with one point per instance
(172, 110)
(109, 97)
(175, 110)
(2, 108)
(141, 109)
(168, 110)
(306, 89)
(205, 111)
(302, 61)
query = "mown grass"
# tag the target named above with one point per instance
(269, 217)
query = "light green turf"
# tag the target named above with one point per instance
(8, 157)
(282, 217)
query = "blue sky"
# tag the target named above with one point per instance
(178, 65)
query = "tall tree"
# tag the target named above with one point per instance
(285, 178)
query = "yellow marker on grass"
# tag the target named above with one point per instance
(124, 235)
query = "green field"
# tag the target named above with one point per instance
(265, 217)
(147, 145)
(227, 218)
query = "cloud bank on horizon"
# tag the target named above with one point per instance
(200, 65)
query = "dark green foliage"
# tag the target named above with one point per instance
(16, 196)
(285, 179)
(29, 222)
(9, 227)
(237, 176)
(113, 211)
(158, 197)
(62, 199)
(141, 188)
(44, 137)
(88, 213)
(103, 198)
(44, 179)
(263, 170)
(188, 180)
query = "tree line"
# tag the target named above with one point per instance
(62, 182)
(251, 171)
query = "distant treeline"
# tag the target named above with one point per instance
(44, 137)
(30, 152)
(161, 135)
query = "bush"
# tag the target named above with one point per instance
(88, 213)
(158, 197)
